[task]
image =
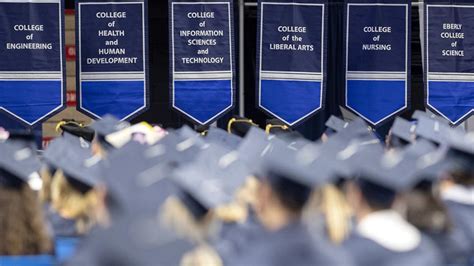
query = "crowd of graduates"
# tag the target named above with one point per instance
(117, 194)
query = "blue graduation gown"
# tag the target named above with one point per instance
(61, 227)
(234, 237)
(366, 252)
(462, 216)
(292, 245)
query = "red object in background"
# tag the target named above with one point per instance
(46, 141)
(69, 12)
(70, 52)
(71, 98)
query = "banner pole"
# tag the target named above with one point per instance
(241, 58)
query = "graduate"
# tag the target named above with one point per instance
(457, 190)
(22, 224)
(426, 210)
(106, 126)
(381, 235)
(73, 186)
(283, 192)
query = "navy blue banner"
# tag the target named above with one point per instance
(112, 58)
(202, 58)
(377, 53)
(449, 59)
(32, 65)
(291, 58)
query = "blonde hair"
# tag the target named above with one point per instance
(331, 202)
(72, 204)
(176, 216)
(203, 255)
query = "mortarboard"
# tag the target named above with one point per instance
(108, 125)
(211, 180)
(335, 124)
(23, 138)
(433, 130)
(356, 129)
(17, 164)
(403, 130)
(185, 132)
(141, 239)
(76, 160)
(77, 130)
(219, 136)
(418, 114)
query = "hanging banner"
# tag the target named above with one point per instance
(377, 43)
(202, 58)
(291, 58)
(112, 58)
(449, 58)
(32, 76)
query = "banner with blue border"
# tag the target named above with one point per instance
(291, 58)
(377, 53)
(32, 65)
(449, 58)
(202, 58)
(112, 58)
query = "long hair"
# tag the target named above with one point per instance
(22, 226)
(72, 203)
(332, 204)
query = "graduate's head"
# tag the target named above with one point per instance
(22, 225)
(104, 127)
(285, 188)
(374, 196)
(187, 217)
(21, 221)
(73, 199)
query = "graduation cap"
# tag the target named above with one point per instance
(257, 145)
(403, 131)
(23, 138)
(185, 132)
(107, 125)
(291, 181)
(76, 129)
(418, 114)
(219, 136)
(335, 124)
(356, 129)
(76, 160)
(174, 150)
(460, 153)
(240, 126)
(211, 180)
(432, 130)
(17, 164)
(139, 239)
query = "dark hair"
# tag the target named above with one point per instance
(376, 196)
(22, 225)
(292, 195)
(426, 211)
